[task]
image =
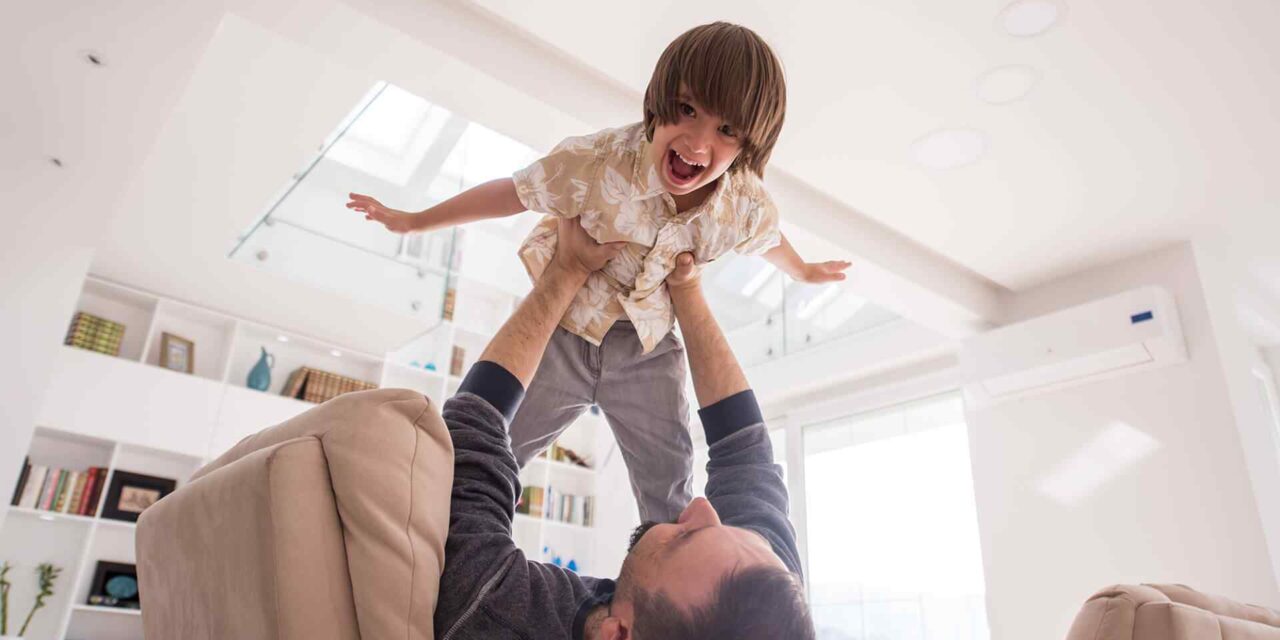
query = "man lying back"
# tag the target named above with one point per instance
(726, 568)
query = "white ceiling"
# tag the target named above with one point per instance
(1148, 122)
(1147, 119)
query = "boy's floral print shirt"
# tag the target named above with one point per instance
(608, 180)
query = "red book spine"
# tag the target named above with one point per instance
(97, 491)
(87, 498)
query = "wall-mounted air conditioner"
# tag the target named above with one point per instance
(1133, 331)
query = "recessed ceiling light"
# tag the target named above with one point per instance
(94, 58)
(1026, 18)
(949, 148)
(282, 338)
(335, 353)
(1006, 84)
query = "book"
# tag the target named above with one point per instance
(456, 361)
(93, 495)
(22, 481)
(79, 507)
(77, 495)
(50, 484)
(64, 492)
(535, 505)
(56, 478)
(294, 384)
(35, 482)
(50, 475)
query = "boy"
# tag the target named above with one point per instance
(686, 179)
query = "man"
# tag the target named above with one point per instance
(727, 568)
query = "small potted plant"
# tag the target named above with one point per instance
(48, 576)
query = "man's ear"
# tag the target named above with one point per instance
(615, 629)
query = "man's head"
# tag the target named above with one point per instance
(697, 578)
(716, 102)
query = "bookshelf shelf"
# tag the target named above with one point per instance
(557, 466)
(521, 517)
(113, 611)
(51, 516)
(116, 524)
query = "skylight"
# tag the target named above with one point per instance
(407, 152)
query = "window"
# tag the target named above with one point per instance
(892, 526)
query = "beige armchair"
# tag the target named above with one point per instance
(1170, 612)
(329, 525)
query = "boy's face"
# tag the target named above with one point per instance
(693, 151)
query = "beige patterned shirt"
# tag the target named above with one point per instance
(609, 180)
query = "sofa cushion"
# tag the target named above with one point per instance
(390, 463)
(254, 550)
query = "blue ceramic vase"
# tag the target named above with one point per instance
(260, 375)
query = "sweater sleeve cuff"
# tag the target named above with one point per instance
(495, 385)
(723, 418)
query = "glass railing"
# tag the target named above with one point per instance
(409, 154)
(766, 315)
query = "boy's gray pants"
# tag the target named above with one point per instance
(643, 398)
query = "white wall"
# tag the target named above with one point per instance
(1226, 261)
(39, 285)
(1135, 479)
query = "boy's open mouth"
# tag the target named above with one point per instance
(680, 171)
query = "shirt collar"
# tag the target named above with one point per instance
(645, 172)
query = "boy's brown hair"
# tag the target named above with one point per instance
(732, 72)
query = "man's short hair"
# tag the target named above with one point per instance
(758, 603)
(731, 71)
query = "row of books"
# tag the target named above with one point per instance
(313, 385)
(59, 490)
(547, 503)
(88, 331)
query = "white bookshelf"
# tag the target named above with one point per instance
(127, 412)
(543, 538)
(76, 543)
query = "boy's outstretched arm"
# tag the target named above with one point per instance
(493, 199)
(784, 257)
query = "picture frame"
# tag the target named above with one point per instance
(131, 493)
(177, 353)
(115, 584)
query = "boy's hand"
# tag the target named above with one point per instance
(578, 252)
(686, 275)
(395, 221)
(821, 272)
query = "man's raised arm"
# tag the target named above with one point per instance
(715, 370)
(743, 483)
